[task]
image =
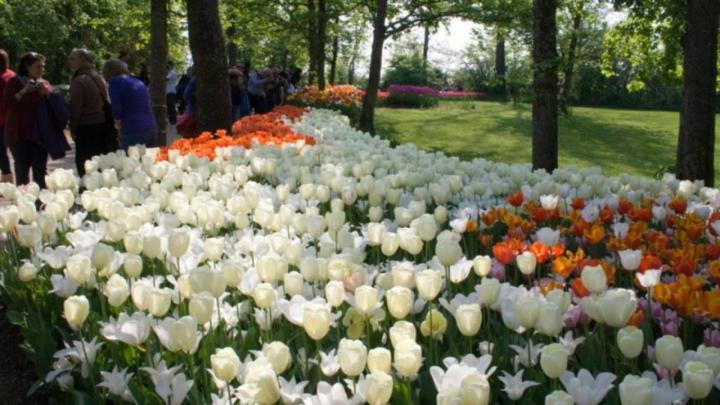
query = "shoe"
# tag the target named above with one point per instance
(6, 178)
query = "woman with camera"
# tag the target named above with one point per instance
(23, 99)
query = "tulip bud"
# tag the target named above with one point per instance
(488, 291)
(366, 298)
(102, 255)
(293, 283)
(710, 356)
(475, 389)
(408, 358)
(379, 360)
(27, 272)
(400, 301)
(133, 265)
(316, 320)
(378, 388)
(279, 355)
(76, 309)
(201, 307)
(526, 262)
(184, 333)
(352, 356)
(178, 242)
(376, 233)
(635, 390)
(594, 279)
(434, 324)
(159, 301)
(335, 293)
(309, 269)
(390, 244)
(401, 330)
(482, 265)
(233, 273)
(214, 248)
(559, 398)
(152, 247)
(550, 320)
(133, 243)
(698, 379)
(116, 290)
(553, 360)
(617, 306)
(630, 341)
(560, 298)
(78, 269)
(669, 351)
(527, 311)
(264, 295)
(225, 364)
(448, 252)
(429, 283)
(630, 259)
(469, 319)
(403, 274)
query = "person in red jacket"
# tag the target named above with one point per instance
(5, 75)
(23, 97)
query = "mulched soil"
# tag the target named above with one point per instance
(16, 372)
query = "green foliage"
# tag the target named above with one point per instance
(106, 27)
(401, 100)
(408, 68)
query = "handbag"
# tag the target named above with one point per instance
(112, 140)
(186, 125)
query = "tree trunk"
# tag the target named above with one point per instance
(351, 70)
(312, 42)
(321, 41)
(158, 63)
(367, 117)
(545, 86)
(426, 48)
(570, 62)
(696, 138)
(334, 58)
(500, 68)
(232, 49)
(208, 51)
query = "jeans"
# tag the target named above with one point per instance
(148, 139)
(30, 155)
(171, 103)
(258, 103)
(4, 160)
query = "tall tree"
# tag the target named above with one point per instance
(404, 16)
(158, 63)
(569, 68)
(545, 86)
(211, 69)
(696, 137)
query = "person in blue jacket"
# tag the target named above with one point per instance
(130, 102)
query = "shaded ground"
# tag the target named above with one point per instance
(636, 142)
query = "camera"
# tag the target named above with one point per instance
(35, 83)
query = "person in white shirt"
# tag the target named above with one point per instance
(170, 96)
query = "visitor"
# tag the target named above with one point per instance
(257, 87)
(186, 124)
(23, 97)
(170, 96)
(238, 95)
(295, 78)
(181, 86)
(144, 74)
(90, 116)
(130, 102)
(5, 75)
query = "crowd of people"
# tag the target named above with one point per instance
(108, 110)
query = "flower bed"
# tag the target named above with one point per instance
(258, 129)
(356, 272)
(345, 99)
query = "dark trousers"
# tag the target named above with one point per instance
(30, 155)
(171, 103)
(258, 103)
(92, 140)
(4, 160)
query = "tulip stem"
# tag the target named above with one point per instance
(368, 330)
(91, 369)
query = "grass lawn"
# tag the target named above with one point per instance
(618, 141)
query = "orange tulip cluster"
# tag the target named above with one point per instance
(346, 95)
(680, 243)
(259, 129)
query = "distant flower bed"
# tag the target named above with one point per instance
(259, 129)
(417, 90)
(346, 99)
(408, 96)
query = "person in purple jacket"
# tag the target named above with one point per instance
(130, 102)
